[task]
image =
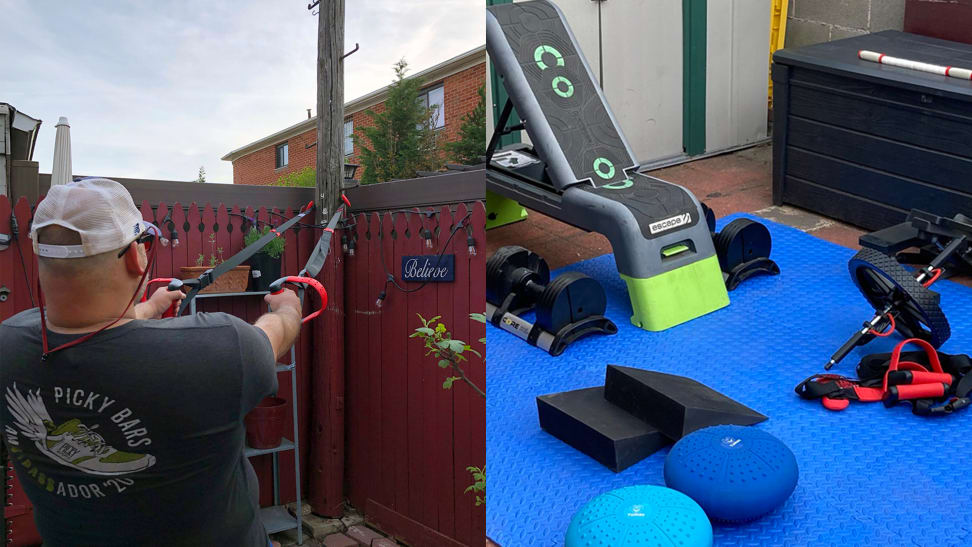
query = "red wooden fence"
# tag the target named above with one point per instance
(409, 440)
(194, 225)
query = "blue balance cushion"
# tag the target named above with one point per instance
(735, 473)
(640, 515)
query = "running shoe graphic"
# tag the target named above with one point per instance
(71, 443)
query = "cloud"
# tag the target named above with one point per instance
(156, 89)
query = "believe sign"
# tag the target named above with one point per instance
(429, 268)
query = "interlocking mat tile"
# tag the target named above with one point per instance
(868, 475)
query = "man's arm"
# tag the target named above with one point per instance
(282, 323)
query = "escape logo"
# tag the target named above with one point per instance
(73, 443)
(669, 223)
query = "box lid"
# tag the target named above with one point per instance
(840, 57)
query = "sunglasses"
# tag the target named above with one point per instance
(147, 238)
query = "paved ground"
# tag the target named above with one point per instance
(731, 183)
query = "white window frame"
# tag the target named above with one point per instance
(276, 155)
(349, 137)
(439, 121)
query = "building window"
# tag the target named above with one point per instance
(283, 154)
(348, 137)
(435, 98)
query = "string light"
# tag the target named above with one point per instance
(352, 245)
(381, 298)
(344, 242)
(470, 241)
(427, 235)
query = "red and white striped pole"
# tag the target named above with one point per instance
(951, 71)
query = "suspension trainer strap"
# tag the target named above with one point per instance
(209, 276)
(317, 257)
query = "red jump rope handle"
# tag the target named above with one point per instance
(894, 394)
(172, 286)
(277, 287)
(905, 377)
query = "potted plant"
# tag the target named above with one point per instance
(234, 280)
(266, 263)
(265, 423)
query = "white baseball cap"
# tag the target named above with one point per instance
(100, 210)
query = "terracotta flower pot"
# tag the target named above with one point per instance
(265, 423)
(234, 280)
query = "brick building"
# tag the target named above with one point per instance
(453, 85)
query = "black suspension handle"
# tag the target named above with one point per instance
(277, 287)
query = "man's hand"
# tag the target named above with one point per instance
(285, 299)
(283, 322)
(158, 303)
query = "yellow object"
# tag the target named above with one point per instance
(777, 36)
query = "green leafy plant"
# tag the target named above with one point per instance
(273, 249)
(401, 140)
(202, 174)
(470, 148)
(449, 353)
(215, 255)
(479, 484)
(302, 178)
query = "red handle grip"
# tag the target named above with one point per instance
(918, 377)
(175, 303)
(895, 394)
(277, 287)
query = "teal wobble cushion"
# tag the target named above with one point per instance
(640, 516)
(735, 473)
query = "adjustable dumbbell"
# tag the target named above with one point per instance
(743, 247)
(570, 306)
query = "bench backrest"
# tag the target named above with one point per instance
(552, 87)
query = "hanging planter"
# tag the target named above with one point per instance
(234, 280)
(265, 423)
(266, 263)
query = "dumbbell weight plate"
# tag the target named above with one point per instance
(499, 269)
(742, 240)
(569, 298)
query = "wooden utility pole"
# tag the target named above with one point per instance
(330, 106)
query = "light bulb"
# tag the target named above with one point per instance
(344, 243)
(175, 241)
(381, 297)
(471, 243)
(428, 243)
(163, 241)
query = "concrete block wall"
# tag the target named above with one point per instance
(813, 21)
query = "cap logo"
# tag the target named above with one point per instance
(137, 228)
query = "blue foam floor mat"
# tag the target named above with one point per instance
(868, 475)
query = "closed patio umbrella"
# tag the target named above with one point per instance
(61, 170)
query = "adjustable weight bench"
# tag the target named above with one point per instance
(581, 170)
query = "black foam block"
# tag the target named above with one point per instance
(586, 421)
(676, 405)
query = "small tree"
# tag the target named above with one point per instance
(202, 174)
(302, 178)
(449, 353)
(471, 146)
(402, 139)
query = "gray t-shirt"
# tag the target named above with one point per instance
(135, 437)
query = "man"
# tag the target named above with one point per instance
(127, 429)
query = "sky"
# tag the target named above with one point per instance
(157, 89)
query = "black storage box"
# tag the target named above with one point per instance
(864, 142)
